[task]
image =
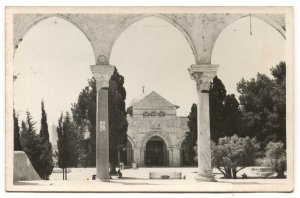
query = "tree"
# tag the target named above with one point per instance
(68, 143)
(84, 114)
(44, 133)
(191, 135)
(61, 146)
(84, 117)
(275, 157)
(232, 154)
(17, 144)
(28, 139)
(225, 115)
(217, 94)
(117, 118)
(232, 117)
(35, 148)
(264, 105)
(45, 161)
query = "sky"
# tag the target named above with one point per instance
(53, 62)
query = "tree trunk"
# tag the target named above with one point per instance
(219, 168)
(63, 172)
(66, 171)
(234, 172)
(228, 174)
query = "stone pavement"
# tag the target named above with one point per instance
(80, 179)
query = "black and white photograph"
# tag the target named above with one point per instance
(149, 99)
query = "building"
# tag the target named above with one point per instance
(156, 135)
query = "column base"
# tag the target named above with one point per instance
(103, 180)
(205, 178)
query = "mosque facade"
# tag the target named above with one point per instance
(156, 135)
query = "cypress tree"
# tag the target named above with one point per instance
(17, 143)
(45, 161)
(44, 133)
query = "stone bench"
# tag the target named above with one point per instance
(164, 175)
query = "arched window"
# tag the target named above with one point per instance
(161, 114)
(146, 114)
(153, 113)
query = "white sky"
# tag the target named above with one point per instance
(54, 58)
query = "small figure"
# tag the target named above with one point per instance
(94, 177)
(119, 173)
(244, 176)
(121, 165)
(183, 177)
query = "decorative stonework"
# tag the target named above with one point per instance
(102, 60)
(203, 75)
(102, 74)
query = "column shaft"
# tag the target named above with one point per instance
(204, 150)
(102, 136)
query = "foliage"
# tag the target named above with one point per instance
(36, 148)
(44, 133)
(275, 157)
(17, 144)
(263, 104)
(46, 161)
(232, 117)
(67, 143)
(225, 113)
(232, 154)
(84, 114)
(117, 117)
(217, 95)
(84, 117)
(191, 135)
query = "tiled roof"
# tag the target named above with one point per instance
(154, 100)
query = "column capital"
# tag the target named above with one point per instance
(102, 74)
(203, 75)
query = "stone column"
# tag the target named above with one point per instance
(142, 157)
(170, 153)
(203, 75)
(136, 155)
(102, 74)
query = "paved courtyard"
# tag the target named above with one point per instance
(80, 179)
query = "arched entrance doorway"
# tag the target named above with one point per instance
(156, 152)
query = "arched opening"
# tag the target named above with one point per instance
(51, 63)
(156, 152)
(246, 47)
(153, 53)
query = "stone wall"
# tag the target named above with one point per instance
(23, 169)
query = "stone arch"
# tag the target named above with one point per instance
(26, 22)
(182, 139)
(162, 17)
(131, 141)
(278, 25)
(162, 135)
